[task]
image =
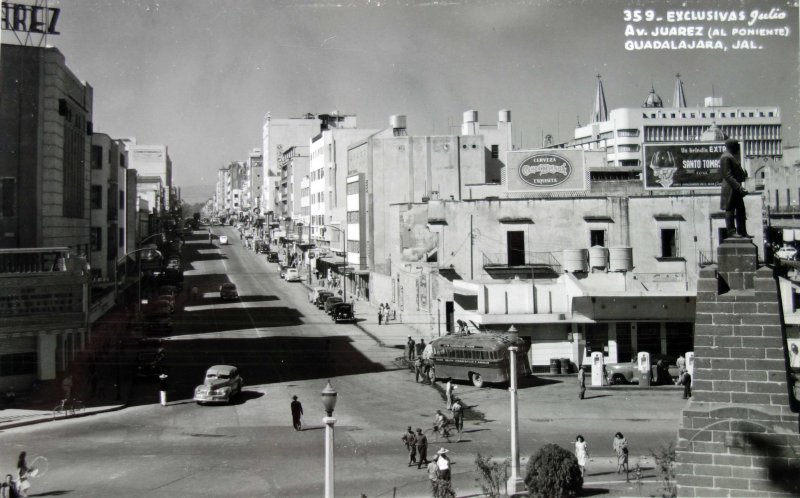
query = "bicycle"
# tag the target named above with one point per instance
(68, 408)
(449, 433)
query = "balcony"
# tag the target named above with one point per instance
(523, 264)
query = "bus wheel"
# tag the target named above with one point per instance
(432, 374)
(477, 380)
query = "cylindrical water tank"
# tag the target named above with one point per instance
(555, 366)
(470, 116)
(576, 260)
(565, 365)
(397, 121)
(620, 259)
(598, 257)
(504, 116)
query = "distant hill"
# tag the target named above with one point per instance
(196, 193)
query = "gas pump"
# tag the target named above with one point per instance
(690, 365)
(644, 369)
(597, 368)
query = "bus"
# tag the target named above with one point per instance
(478, 358)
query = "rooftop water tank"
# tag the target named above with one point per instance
(620, 259)
(576, 260)
(598, 257)
(504, 116)
(397, 121)
(470, 116)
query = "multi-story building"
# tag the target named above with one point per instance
(45, 146)
(328, 175)
(623, 132)
(108, 205)
(293, 167)
(150, 192)
(45, 140)
(279, 135)
(152, 161)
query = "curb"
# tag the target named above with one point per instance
(41, 420)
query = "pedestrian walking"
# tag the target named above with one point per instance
(410, 346)
(581, 453)
(433, 473)
(388, 312)
(66, 385)
(443, 463)
(422, 448)
(8, 489)
(380, 314)
(297, 413)
(162, 388)
(411, 445)
(418, 370)
(581, 382)
(620, 446)
(458, 414)
(420, 347)
(686, 380)
(448, 391)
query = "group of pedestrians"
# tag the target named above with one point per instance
(620, 446)
(417, 446)
(14, 488)
(385, 314)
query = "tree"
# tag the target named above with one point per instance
(553, 472)
(492, 476)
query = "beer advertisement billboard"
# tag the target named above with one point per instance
(691, 165)
(547, 170)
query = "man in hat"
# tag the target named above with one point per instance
(410, 345)
(297, 412)
(422, 448)
(443, 462)
(410, 441)
(732, 194)
(581, 382)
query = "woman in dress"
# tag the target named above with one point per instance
(23, 472)
(582, 453)
(620, 446)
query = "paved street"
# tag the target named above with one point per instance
(284, 346)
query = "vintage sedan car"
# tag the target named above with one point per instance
(283, 270)
(292, 275)
(313, 293)
(343, 312)
(228, 291)
(222, 383)
(628, 373)
(272, 257)
(331, 302)
(786, 252)
(321, 298)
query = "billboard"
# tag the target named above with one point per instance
(547, 170)
(693, 165)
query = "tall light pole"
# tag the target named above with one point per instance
(329, 395)
(139, 273)
(515, 483)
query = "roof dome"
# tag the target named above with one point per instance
(713, 134)
(653, 100)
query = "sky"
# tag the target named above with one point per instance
(200, 75)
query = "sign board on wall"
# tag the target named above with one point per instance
(547, 170)
(693, 165)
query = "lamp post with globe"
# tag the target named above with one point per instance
(329, 395)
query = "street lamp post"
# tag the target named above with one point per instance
(329, 395)
(515, 483)
(139, 273)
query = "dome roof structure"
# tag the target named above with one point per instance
(713, 134)
(653, 100)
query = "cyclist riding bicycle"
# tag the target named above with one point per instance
(441, 422)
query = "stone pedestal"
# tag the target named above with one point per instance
(737, 432)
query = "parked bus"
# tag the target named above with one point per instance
(479, 358)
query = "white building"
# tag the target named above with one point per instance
(150, 161)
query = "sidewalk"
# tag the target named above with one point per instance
(112, 379)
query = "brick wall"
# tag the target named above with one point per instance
(740, 401)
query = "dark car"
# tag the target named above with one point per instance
(628, 372)
(331, 302)
(272, 257)
(321, 297)
(283, 271)
(228, 291)
(343, 312)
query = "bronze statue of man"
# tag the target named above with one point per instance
(732, 198)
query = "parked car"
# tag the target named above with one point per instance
(628, 372)
(167, 289)
(312, 295)
(283, 270)
(331, 302)
(292, 275)
(272, 257)
(222, 383)
(223, 240)
(343, 312)
(321, 297)
(786, 252)
(168, 300)
(228, 291)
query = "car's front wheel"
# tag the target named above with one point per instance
(618, 379)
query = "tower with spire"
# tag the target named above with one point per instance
(678, 98)
(599, 110)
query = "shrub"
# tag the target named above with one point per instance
(665, 464)
(442, 489)
(492, 476)
(553, 472)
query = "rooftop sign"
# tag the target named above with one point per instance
(546, 170)
(30, 20)
(693, 165)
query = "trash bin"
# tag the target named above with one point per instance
(555, 366)
(565, 366)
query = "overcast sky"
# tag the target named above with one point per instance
(200, 75)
